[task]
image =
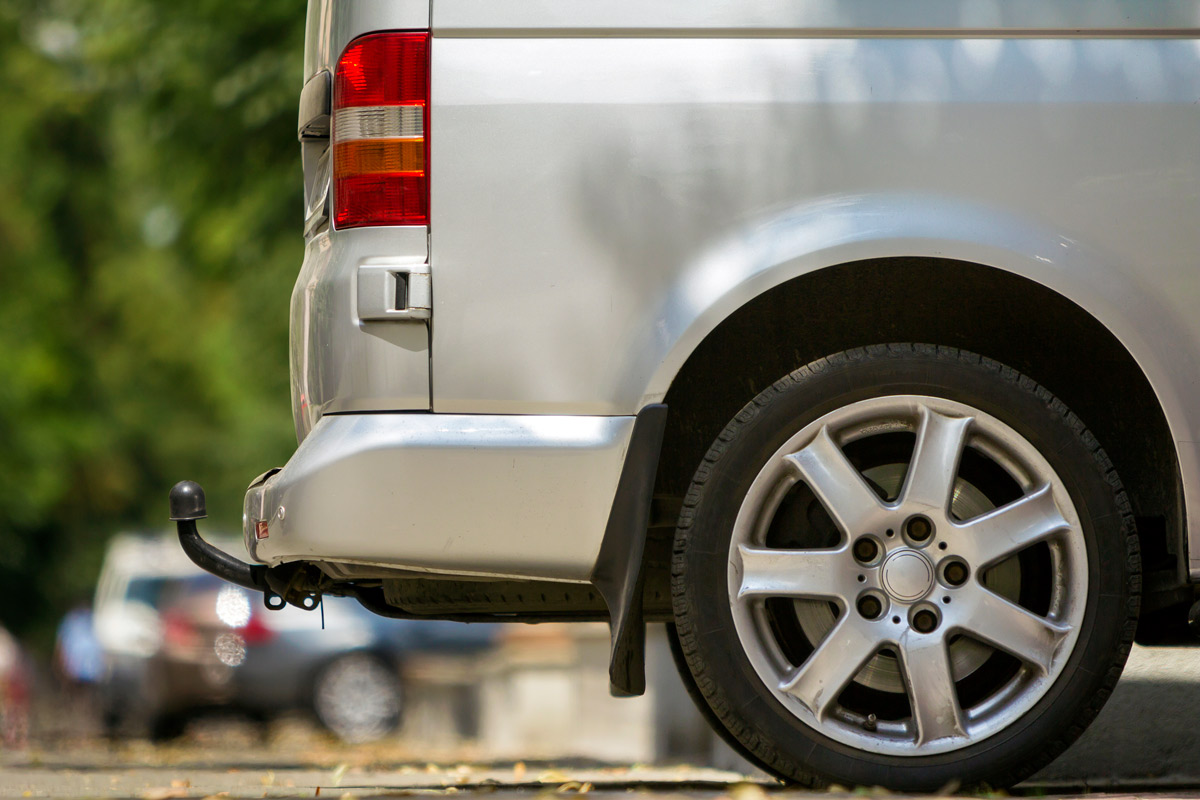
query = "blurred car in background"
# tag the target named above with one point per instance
(15, 690)
(178, 641)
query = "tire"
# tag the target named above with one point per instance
(167, 726)
(358, 697)
(905, 566)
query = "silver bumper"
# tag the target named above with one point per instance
(504, 496)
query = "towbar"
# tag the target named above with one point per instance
(187, 506)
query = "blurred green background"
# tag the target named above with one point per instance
(149, 239)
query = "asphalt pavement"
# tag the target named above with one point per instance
(1144, 744)
(1148, 731)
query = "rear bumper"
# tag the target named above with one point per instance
(504, 496)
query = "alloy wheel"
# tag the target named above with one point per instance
(907, 575)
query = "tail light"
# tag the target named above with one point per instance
(381, 131)
(257, 631)
(178, 632)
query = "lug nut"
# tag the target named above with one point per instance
(919, 529)
(955, 573)
(924, 621)
(865, 549)
(869, 606)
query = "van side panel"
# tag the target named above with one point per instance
(600, 202)
(588, 194)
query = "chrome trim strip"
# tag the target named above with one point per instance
(823, 33)
(856, 19)
(379, 122)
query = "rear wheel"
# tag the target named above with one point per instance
(358, 697)
(905, 566)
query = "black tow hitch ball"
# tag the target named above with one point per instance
(279, 586)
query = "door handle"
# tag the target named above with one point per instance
(394, 291)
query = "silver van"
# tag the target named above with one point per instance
(857, 341)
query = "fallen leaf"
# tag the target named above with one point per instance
(317, 793)
(339, 772)
(268, 779)
(164, 793)
(552, 777)
(569, 786)
(180, 784)
(519, 771)
(747, 791)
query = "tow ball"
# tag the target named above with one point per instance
(280, 585)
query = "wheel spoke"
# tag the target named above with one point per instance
(841, 654)
(1007, 530)
(931, 692)
(841, 488)
(1007, 626)
(930, 479)
(793, 573)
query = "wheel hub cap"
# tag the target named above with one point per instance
(907, 575)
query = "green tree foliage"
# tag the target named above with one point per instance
(149, 238)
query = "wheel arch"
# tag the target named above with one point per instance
(804, 314)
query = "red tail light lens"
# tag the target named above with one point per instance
(257, 631)
(178, 632)
(381, 131)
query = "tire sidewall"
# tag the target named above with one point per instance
(773, 734)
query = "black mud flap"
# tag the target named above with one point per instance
(618, 575)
